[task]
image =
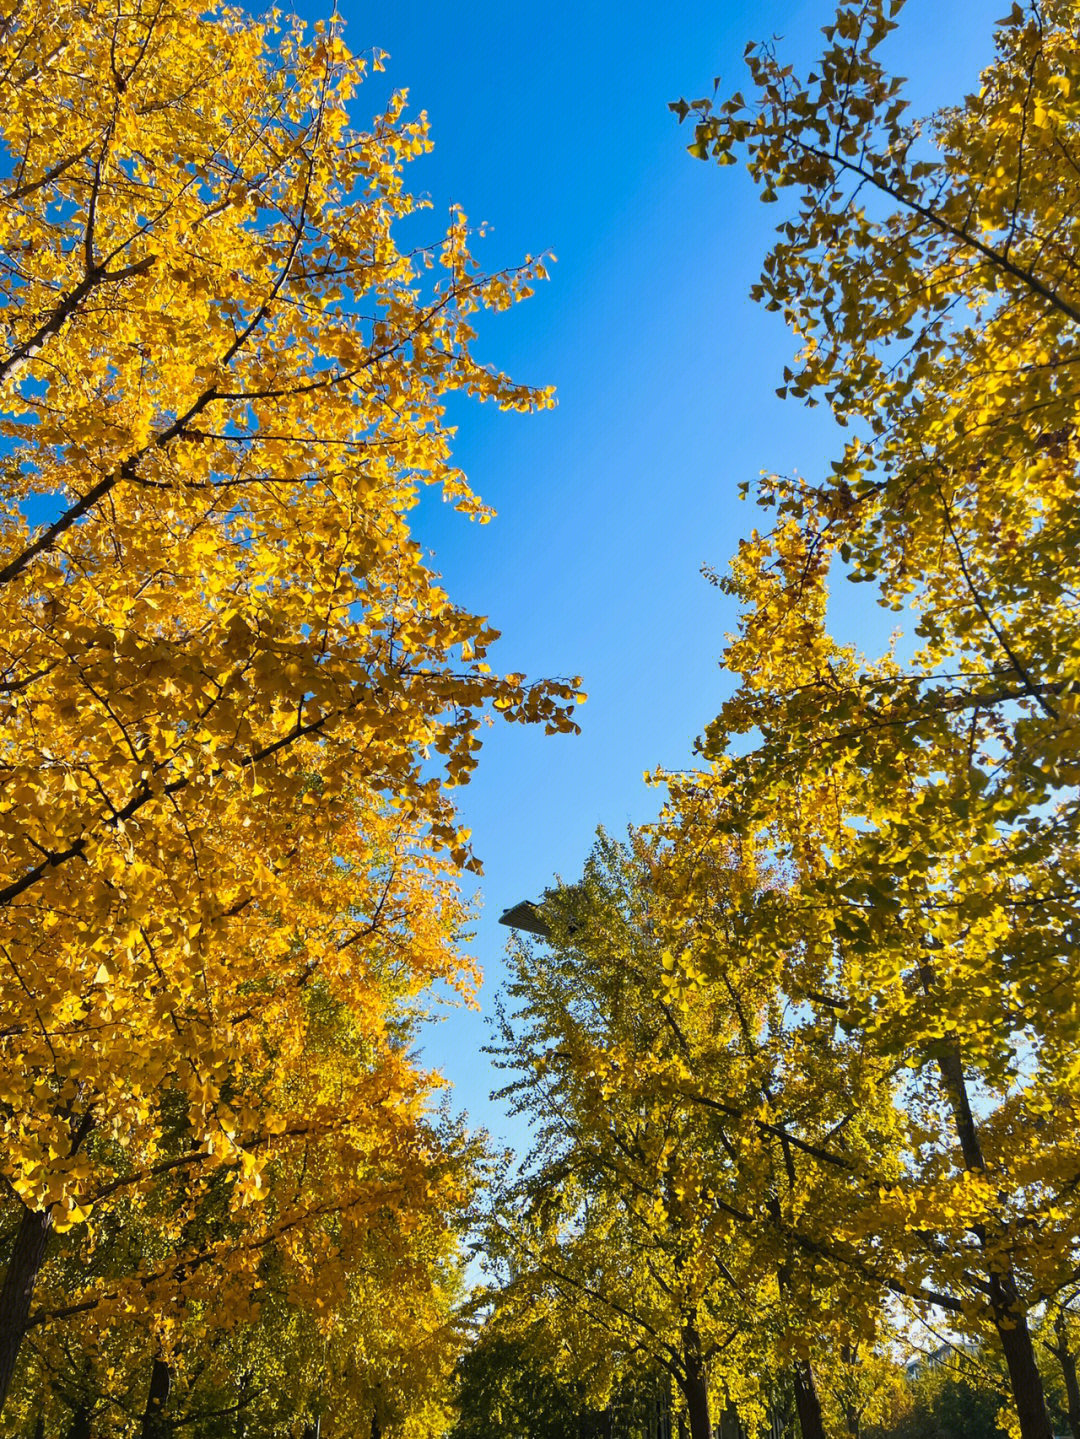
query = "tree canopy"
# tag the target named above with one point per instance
(800, 1059)
(921, 809)
(235, 696)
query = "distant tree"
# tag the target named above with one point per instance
(503, 1387)
(686, 1202)
(946, 1400)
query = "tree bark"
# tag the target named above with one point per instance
(807, 1400)
(696, 1393)
(850, 1408)
(80, 1424)
(729, 1426)
(1024, 1377)
(694, 1385)
(1007, 1311)
(1067, 1359)
(27, 1256)
(160, 1388)
(1072, 1391)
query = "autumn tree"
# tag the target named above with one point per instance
(923, 811)
(336, 1300)
(592, 1235)
(226, 671)
(695, 1140)
(507, 1385)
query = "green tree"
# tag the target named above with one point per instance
(685, 1201)
(506, 1386)
(952, 1397)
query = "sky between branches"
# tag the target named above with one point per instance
(551, 124)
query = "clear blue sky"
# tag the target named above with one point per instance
(551, 123)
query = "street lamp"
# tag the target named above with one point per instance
(527, 916)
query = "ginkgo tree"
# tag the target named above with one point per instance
(602, 1238)
(688, 1199)
(923, 811)
(332, 1304)
(234, 694)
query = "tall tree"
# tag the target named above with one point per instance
(687, 1196)
(924, 813)
(225, 667)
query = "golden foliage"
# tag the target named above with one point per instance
(234, 695)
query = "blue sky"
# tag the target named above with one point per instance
(551, 124)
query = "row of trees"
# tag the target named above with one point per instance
(721, 1193)
(235, 700)
(802, 1059)
(950, 1393)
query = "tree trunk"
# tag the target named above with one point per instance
(1067, 1359)
(80, 1424)
(1007, 1310)
(696, 1393)
(807, 1401)
(729, 1426)
(27, 1256)
(694, 1385)
(664, 1412)
(160, 1387)
(849, 1406)
(1072, 1391)
(1024, 1376)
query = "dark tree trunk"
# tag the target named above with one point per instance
(80, 1424)
(807, 1401)
(27, 1256)
(1024, 1376)
(729, 1426)
(694, 1385)
(314, 1426)
(1067, 1359)
(696, 1394)
(160, 1386)
(1007, 1310)
(1072, 1391)
(851, 1411)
